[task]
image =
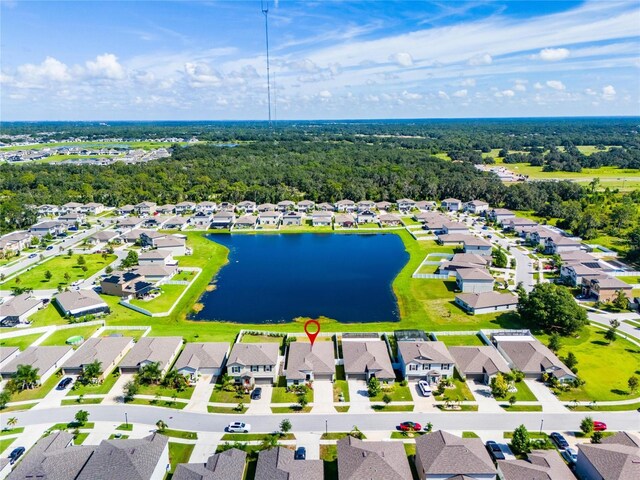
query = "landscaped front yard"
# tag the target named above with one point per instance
(397, 393)
(165, 391)
(222, 396)
(179, 453)
(459, 393)
(94, 389)
(39, 392)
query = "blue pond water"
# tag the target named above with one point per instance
(276, 278)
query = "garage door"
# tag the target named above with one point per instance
(264, 381)
(323, 377)
(128, 370)
(357, 376)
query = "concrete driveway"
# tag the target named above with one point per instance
(323, 397)
(201, 394)
(262, 406)
(548, 400)
(359, 397)
(54, 397)
(482, 394)
(116, 394)
(422, 403)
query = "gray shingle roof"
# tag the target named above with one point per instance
(616, 458)
(19, 305)
(151, 349)
(228, 465)
(488, 299)
(474, 274)
(6, 352)
(303, 358)
(425, 352)
(360, 460)
(441, 453)
(478, 360)
(254, 354)
(103, 349)
(79, 299)
(42, 358)
(278, 464)
(532, 356)
(540, 465)
(362, 356)
(202, 355)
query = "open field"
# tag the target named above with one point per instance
(58, 266)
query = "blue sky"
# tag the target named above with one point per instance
(183, 60)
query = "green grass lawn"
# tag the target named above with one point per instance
(342, 409)
(460, 393)
(60, 337)
(524, 394)
(135, 334)
(58, 266)
(5, 443)
(159, 403)
(84, 401)
(461, 340)
(340, 386)
(280, 394)
(21, 342)
(222, 396)
(595, 359)
(629, 280)
(17, 408)
(80, 438)
(72, 424)
(184, 275)
(47, 316)
(522, 408)
(127, 427)
(227, 410)
(164, 301)
(290, 409)
(94, 389)
(165, 391)
(246, 338)
(169, 432)
(254, 437)
(395, 391)
(607, 408)
(179, 453)
(470, 435)
(36, 393)
(11, 431)
(392, 408)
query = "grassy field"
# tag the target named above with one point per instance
(595, 358)
(21, 342)
(5, 443)
(60, 337)
(460, 393)
(135, 334)
(395, 391)
(158, 403)
(222, 396)
(179, 453)
(58, 266)
(164, 302)
(524, 393)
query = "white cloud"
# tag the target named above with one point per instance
(411, 96)
(538, 86)
(443, 95)
(50, 70)
(505, 93)
(553, 54)
(325, 94)
(519, 87)
(402, 58)
(201, 75)
(468, 82)
(589, 91)
(555, 84)
(482, 59)
(106, 66)
(460, 93)
(608, 92)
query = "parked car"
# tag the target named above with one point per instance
(301, 454)
(559, 440)
(410, 427)
(256, 394)
(64, 383)
(570, 455)
(33, 255)
(16, 454)
(50, 247)
(238, 427)
(494, 450)
(424, 387)
(599, 426)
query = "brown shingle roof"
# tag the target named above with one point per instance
(360, 460)
(441, 453)
(303, 358)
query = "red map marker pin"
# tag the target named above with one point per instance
(312, 335)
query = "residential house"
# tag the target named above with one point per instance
(441, 455)
(156, 257)
(207, 207)
(455, 228)
(365, 205)
(477, 245)
(278, 464)
(615, 458)
(46, 359)
(501, 215)
(247, 207)
(201, 220)
(559, 243)
(227, 465)
(129, 223)
(324, 207)
(306, 206)
(390, 220)
(48, 210)
(246, 221)
(306, 362)
(92, 208)
(7, 354)
(449, 267)
(145, 208)
(384, 206)
(486, 302)
(176, 223)
(202, 359)
(269, 218)
(156, 274)
(18, 309)
(474, 280)
(347, 206)
(286, 206)
(364, 359)
(604, 288)
(78, 303)
(147, 350)
(480, 364)
(167, 209)
(430, 361)
(517, 222)
(321, 219)
(406, 205)
(344, 220)
(368, 460)
(426, 205)
(253, 363)
(367, 216)
(477, 207)
(125, 210)
(525, 353)
(227, 207)
(223, 219)
(578, 256)
(56, 457)
(451, 204)
(71, 207)
(73, 218)
(539, 464)
(573, 273)
(15, 241)
(267, 207)
(148, 237)
(184, 208)
(108, 351)
(473, 258)
(51, 227)
(103, 237)
(292, 218)
(157, 221)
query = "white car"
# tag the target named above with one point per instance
(424, 387)
(238, 427)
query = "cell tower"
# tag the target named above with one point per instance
(265, 11)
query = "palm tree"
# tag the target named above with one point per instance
(12, 422)
(26, 377)
(92, 371)
(150, 373)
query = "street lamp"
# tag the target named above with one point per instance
(541, 423)
(326, 426)
(126, 421)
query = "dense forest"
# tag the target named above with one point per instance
(329, 162)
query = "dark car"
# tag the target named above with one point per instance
(50, 247)
(494, 450)
(410, 427)
(559, 440)
(64, 383)
(301, 454)
(256, 394)
(16, 454)
(33, 255)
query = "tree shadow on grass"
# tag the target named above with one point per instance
(600, 342)
(617, 391)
